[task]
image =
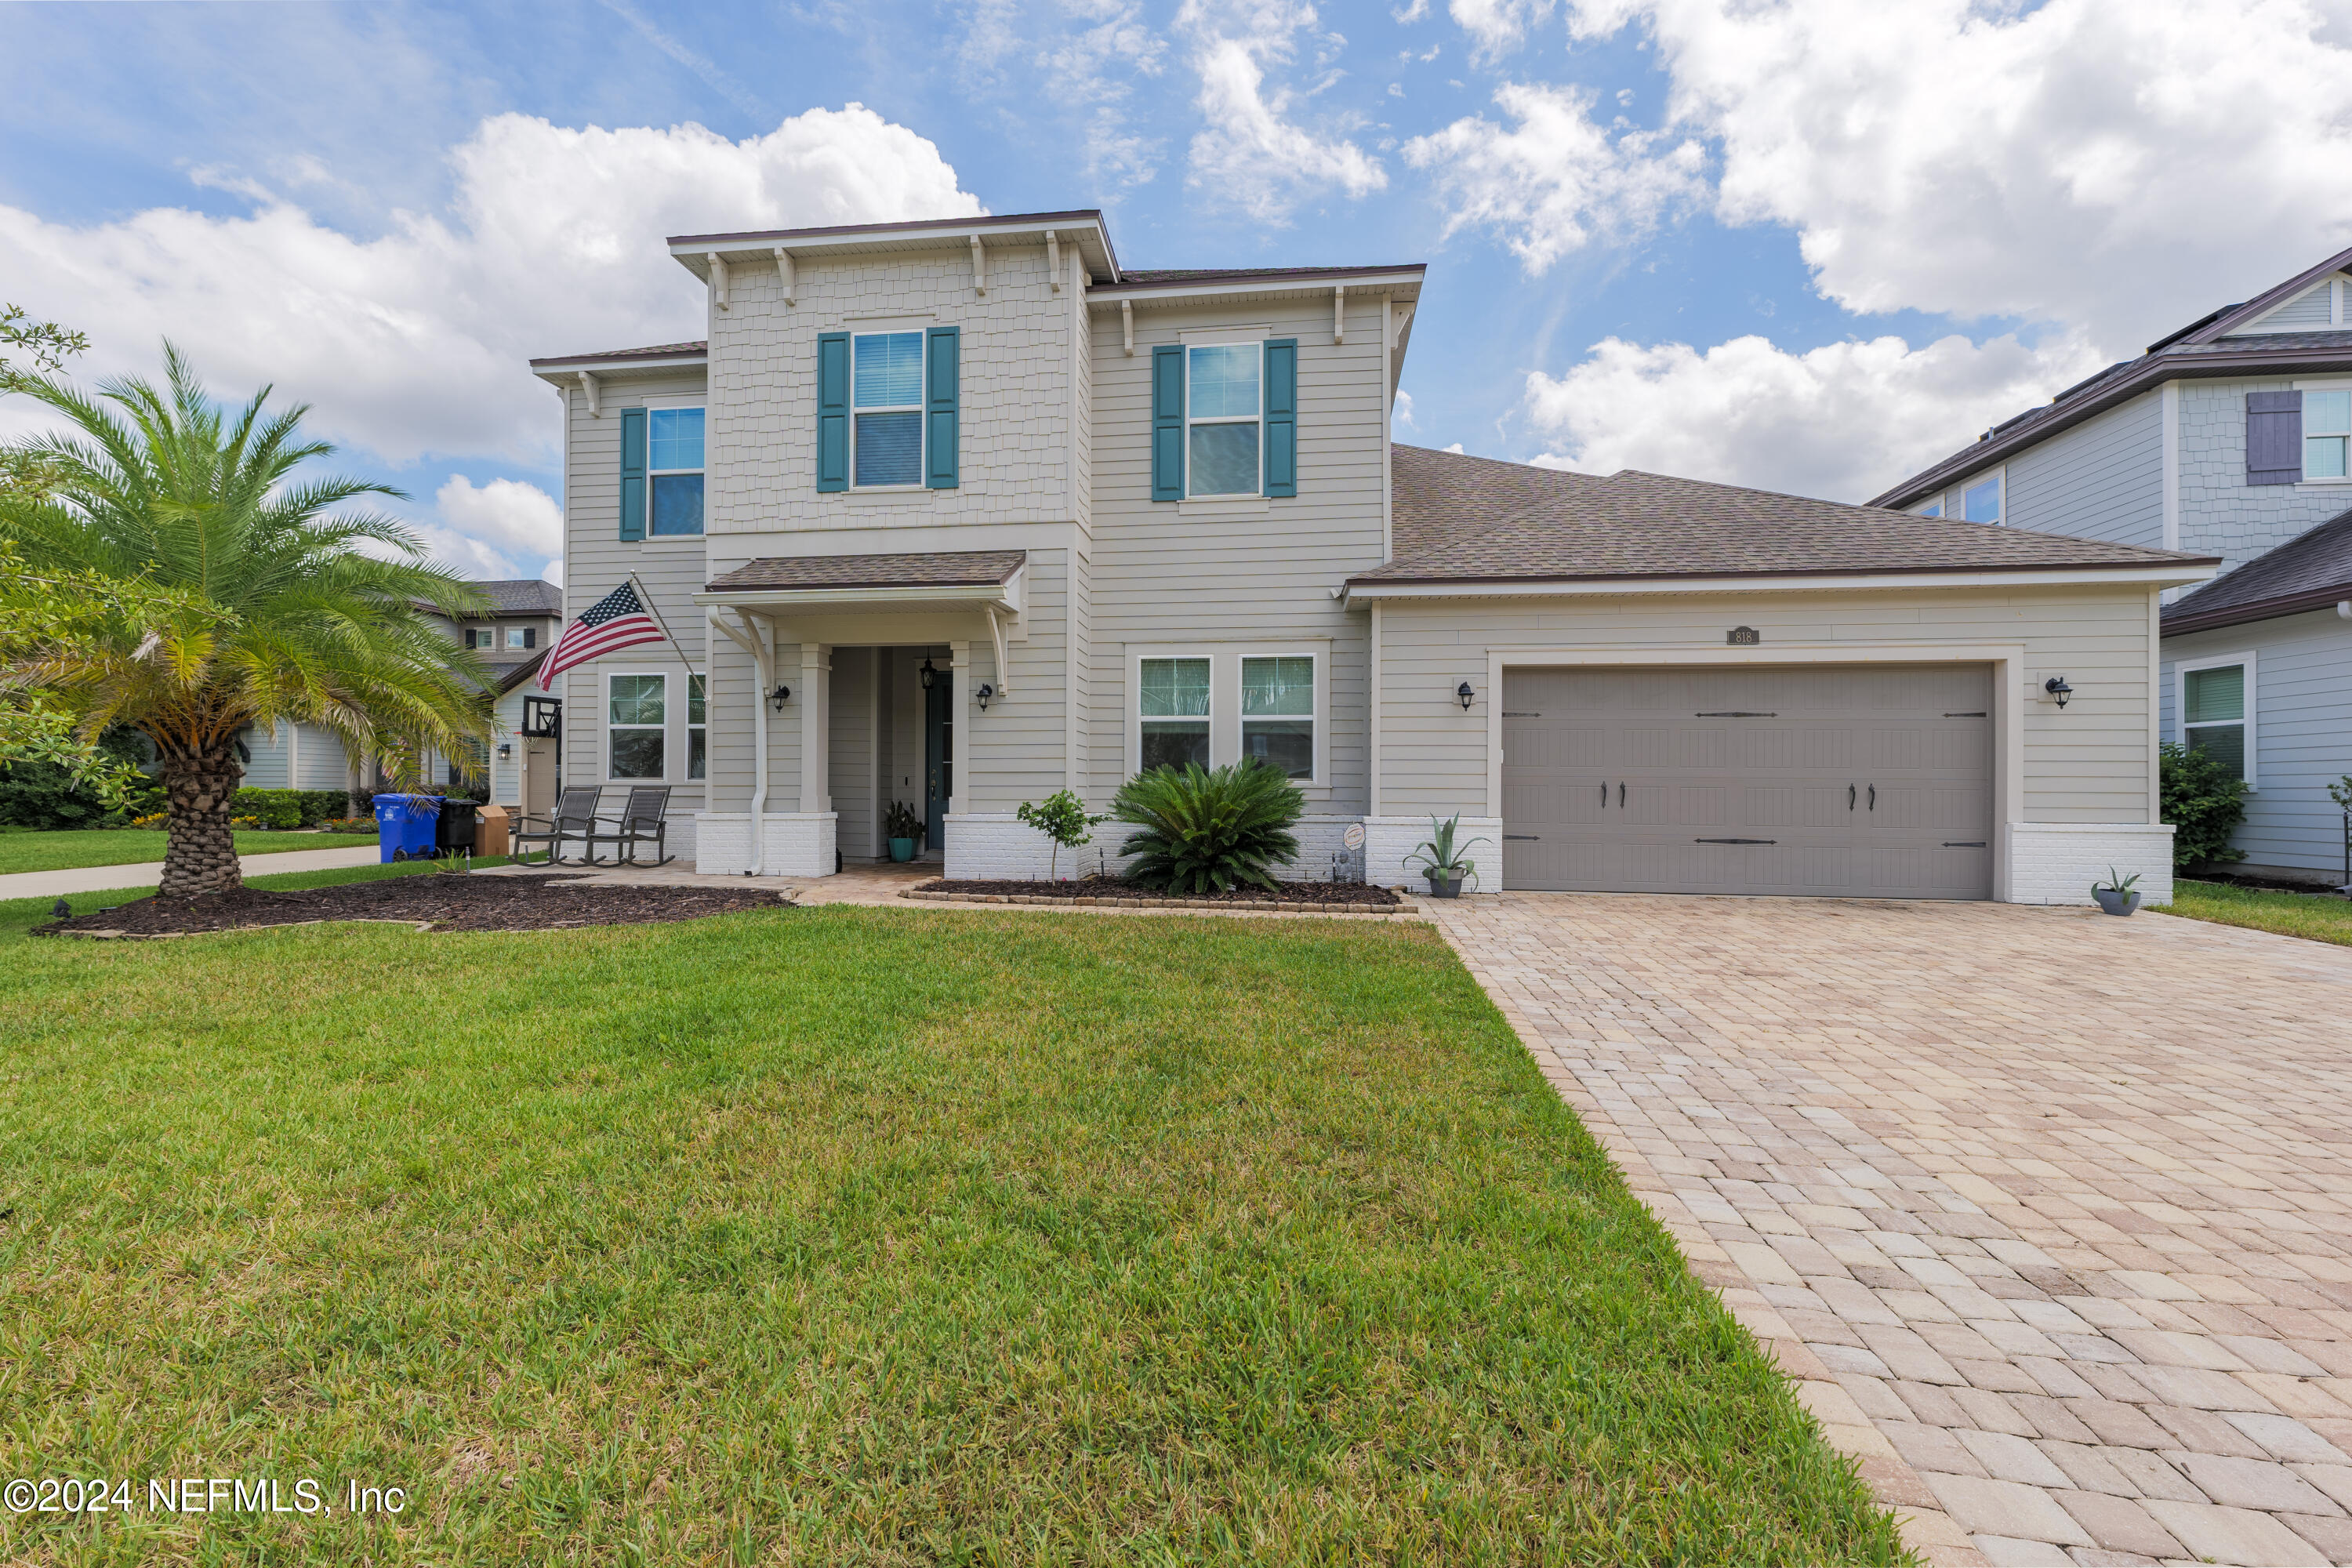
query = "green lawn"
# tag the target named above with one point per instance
(2319, 916)
(131, 846)
(854, 1236)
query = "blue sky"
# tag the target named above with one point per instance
(1809, 245)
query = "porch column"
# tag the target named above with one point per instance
(816, 728)
(958, 723)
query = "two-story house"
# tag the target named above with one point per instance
(2228, 438)
(957, 514)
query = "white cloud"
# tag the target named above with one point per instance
(507, 519)
(1093, 51)
(1557, 178)
(1404, 409)
(1499, 25)
(1843, 421)
(2120, 166)
(1250, 152)
(414, 343)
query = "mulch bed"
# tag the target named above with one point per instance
(439, 902)
(1303, 897)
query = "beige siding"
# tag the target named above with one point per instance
(2087, 764)
(596, 561)
(1169, 574)
(852, 760)
(1015, 401)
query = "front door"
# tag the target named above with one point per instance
(939, 771)
(539, 777)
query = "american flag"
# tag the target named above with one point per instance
(616, 621)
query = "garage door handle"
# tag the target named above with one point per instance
(1620, 794)
(1736, 713)
(1873, 797)
(1849, 797)
(1604, 791)
(1735, 841)
(1536, 838)
(1964, 842)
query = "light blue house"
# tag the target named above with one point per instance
(2228, 437)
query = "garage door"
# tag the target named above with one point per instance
(1869, 780)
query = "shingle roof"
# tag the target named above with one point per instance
(2309, 572)
(523, 596)
(1177, 277)
(943, 569)
(1460, 519)
(651, 352)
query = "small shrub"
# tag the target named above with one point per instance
(156, 822)
(1064, 819)
(900, 821)
(243, 823)
(349, 824)
(2203, 801)
(1198, 830)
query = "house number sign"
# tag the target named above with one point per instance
(1743, 636)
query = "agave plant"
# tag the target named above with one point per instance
(1199, 829)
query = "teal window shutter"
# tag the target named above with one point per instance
(833, 411)
(1281, 444)
(1168, 422)
(633, 473)
(942, 358)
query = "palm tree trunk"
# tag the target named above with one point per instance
(200, 853)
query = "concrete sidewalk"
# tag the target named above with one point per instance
(147, 873)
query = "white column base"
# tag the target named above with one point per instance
(799, 843)
(2056, 862)
(1390, 843)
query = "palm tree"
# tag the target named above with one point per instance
(253, 600)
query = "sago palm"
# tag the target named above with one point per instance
(270, 607)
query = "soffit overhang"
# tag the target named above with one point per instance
(1084, 230)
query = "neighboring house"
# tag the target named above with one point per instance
(962, 513)
(524, 617)
(2228, 438)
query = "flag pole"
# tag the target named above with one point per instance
(646, 597)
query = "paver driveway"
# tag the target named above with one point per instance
(2051, 1212)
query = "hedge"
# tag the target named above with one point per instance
(292, 807)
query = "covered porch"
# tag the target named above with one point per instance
(839, 686)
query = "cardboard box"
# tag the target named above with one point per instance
(490, 830)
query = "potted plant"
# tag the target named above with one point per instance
(1443, 861)
(902, 827)
(2115, 895)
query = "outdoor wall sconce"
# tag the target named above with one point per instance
(1466, 695)
(926, 675)
(2056, 686)
(984, 693)
(506, 749)
(779, 697)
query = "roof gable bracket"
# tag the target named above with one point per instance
(1339, 312)
(784, 272)
(1403, 320)
(719, 279)
(979, 269)
(1127, 324)
(1053, 259)
(590, 389)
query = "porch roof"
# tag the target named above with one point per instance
(935, 581)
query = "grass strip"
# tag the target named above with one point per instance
(2318, 917)
(138, 845)
(855, 1236)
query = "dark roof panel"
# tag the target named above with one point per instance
(1460, 519)
(655, 352)
(942, 569)
(2309, 572)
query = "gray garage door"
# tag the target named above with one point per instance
(1870, 781)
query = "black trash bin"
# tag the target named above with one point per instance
(453, 834)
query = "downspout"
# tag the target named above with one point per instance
(762, 680)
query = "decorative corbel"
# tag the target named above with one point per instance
(589, 387)
(1004, 666)
(1403, 320)
(718, 279)
(785, 271)
(979, 269)
(1127, 324)
(1053, 258)
(1339, 313)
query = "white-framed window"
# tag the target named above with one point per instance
(2327, 433)
(1982, 501)
(1218, 703)
(1172, 712)
(521, 637)
(1278, 712)
(2215, 700)
(1222, 406)
(674, 469)
(697, 737)
(1933, 509)
(886, 422)
(637, 727)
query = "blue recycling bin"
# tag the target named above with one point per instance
(405, 826)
